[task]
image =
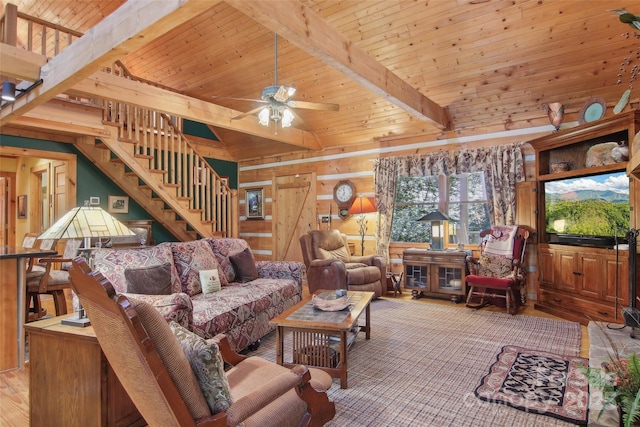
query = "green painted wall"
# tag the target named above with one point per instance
(91, 181)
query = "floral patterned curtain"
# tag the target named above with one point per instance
(502, 165)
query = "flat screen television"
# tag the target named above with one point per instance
(590, 210)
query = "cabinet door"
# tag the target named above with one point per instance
(546, 267)
(617, 280)
(590, 277)
(564, 269)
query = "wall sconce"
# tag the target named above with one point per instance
(8, 91)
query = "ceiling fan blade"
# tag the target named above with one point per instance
(248, 113)
(313, 105)
(241, 99)
(296, 116)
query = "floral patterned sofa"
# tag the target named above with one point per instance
(242, 311)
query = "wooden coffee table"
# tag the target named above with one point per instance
(322, 338)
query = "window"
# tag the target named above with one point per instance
(462, 197)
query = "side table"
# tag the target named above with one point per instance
(70, 381)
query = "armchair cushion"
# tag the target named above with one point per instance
(207, 365)
(493, 266)
(153, 280)
(244, 266)
(172, 357)
(340, 253)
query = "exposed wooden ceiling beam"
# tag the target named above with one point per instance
(133, 25)
(310, 32)
(19, 63)
(103, 85)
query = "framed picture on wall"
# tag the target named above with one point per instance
(22, 206)
(94, 201)
(254, 200)
(118, 204)
(224, 180)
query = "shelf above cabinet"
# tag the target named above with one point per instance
(583, 172)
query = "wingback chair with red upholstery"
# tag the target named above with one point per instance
(499, 272)
(331, 266)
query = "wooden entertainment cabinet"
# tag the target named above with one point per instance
(578, 282)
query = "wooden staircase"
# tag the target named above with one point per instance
(148, 157)
(146, 153)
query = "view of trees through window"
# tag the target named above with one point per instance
(461, 197)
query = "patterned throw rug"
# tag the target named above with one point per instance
(424, 361)
(539, 382)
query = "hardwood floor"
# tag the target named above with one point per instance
(14, 385)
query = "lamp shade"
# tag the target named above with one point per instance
(362, 205)
(86, 222)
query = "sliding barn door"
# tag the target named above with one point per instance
(294, 215)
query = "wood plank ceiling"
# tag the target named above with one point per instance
(490, 63)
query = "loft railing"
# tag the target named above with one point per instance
(34, 34)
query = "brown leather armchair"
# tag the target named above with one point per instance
(331, 266)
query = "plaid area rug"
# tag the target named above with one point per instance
(539, 382)
(424, 361)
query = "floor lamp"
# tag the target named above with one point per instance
(85, 222)
(361, 206)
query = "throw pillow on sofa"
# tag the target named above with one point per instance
(190, 258)
(244, 266)
(154, 280)
(207, 365)
(210, 281)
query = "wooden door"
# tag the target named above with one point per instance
(4, 214)
(294, 214)
(60, 189)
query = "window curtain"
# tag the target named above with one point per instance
(503, 167)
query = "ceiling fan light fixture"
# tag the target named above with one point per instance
(263, 116)
(287, 118)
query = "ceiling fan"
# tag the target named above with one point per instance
(280, 106)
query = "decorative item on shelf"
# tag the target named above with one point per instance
(361, 206)
(85, 222)
(601, 154)
(438, 226)
(592, 110)
(559, 167)
(555, 111)
(621, 152)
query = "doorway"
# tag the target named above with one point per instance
(294, 214)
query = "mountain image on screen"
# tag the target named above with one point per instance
(590, 206)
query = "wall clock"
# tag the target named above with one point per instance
(344, 193)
